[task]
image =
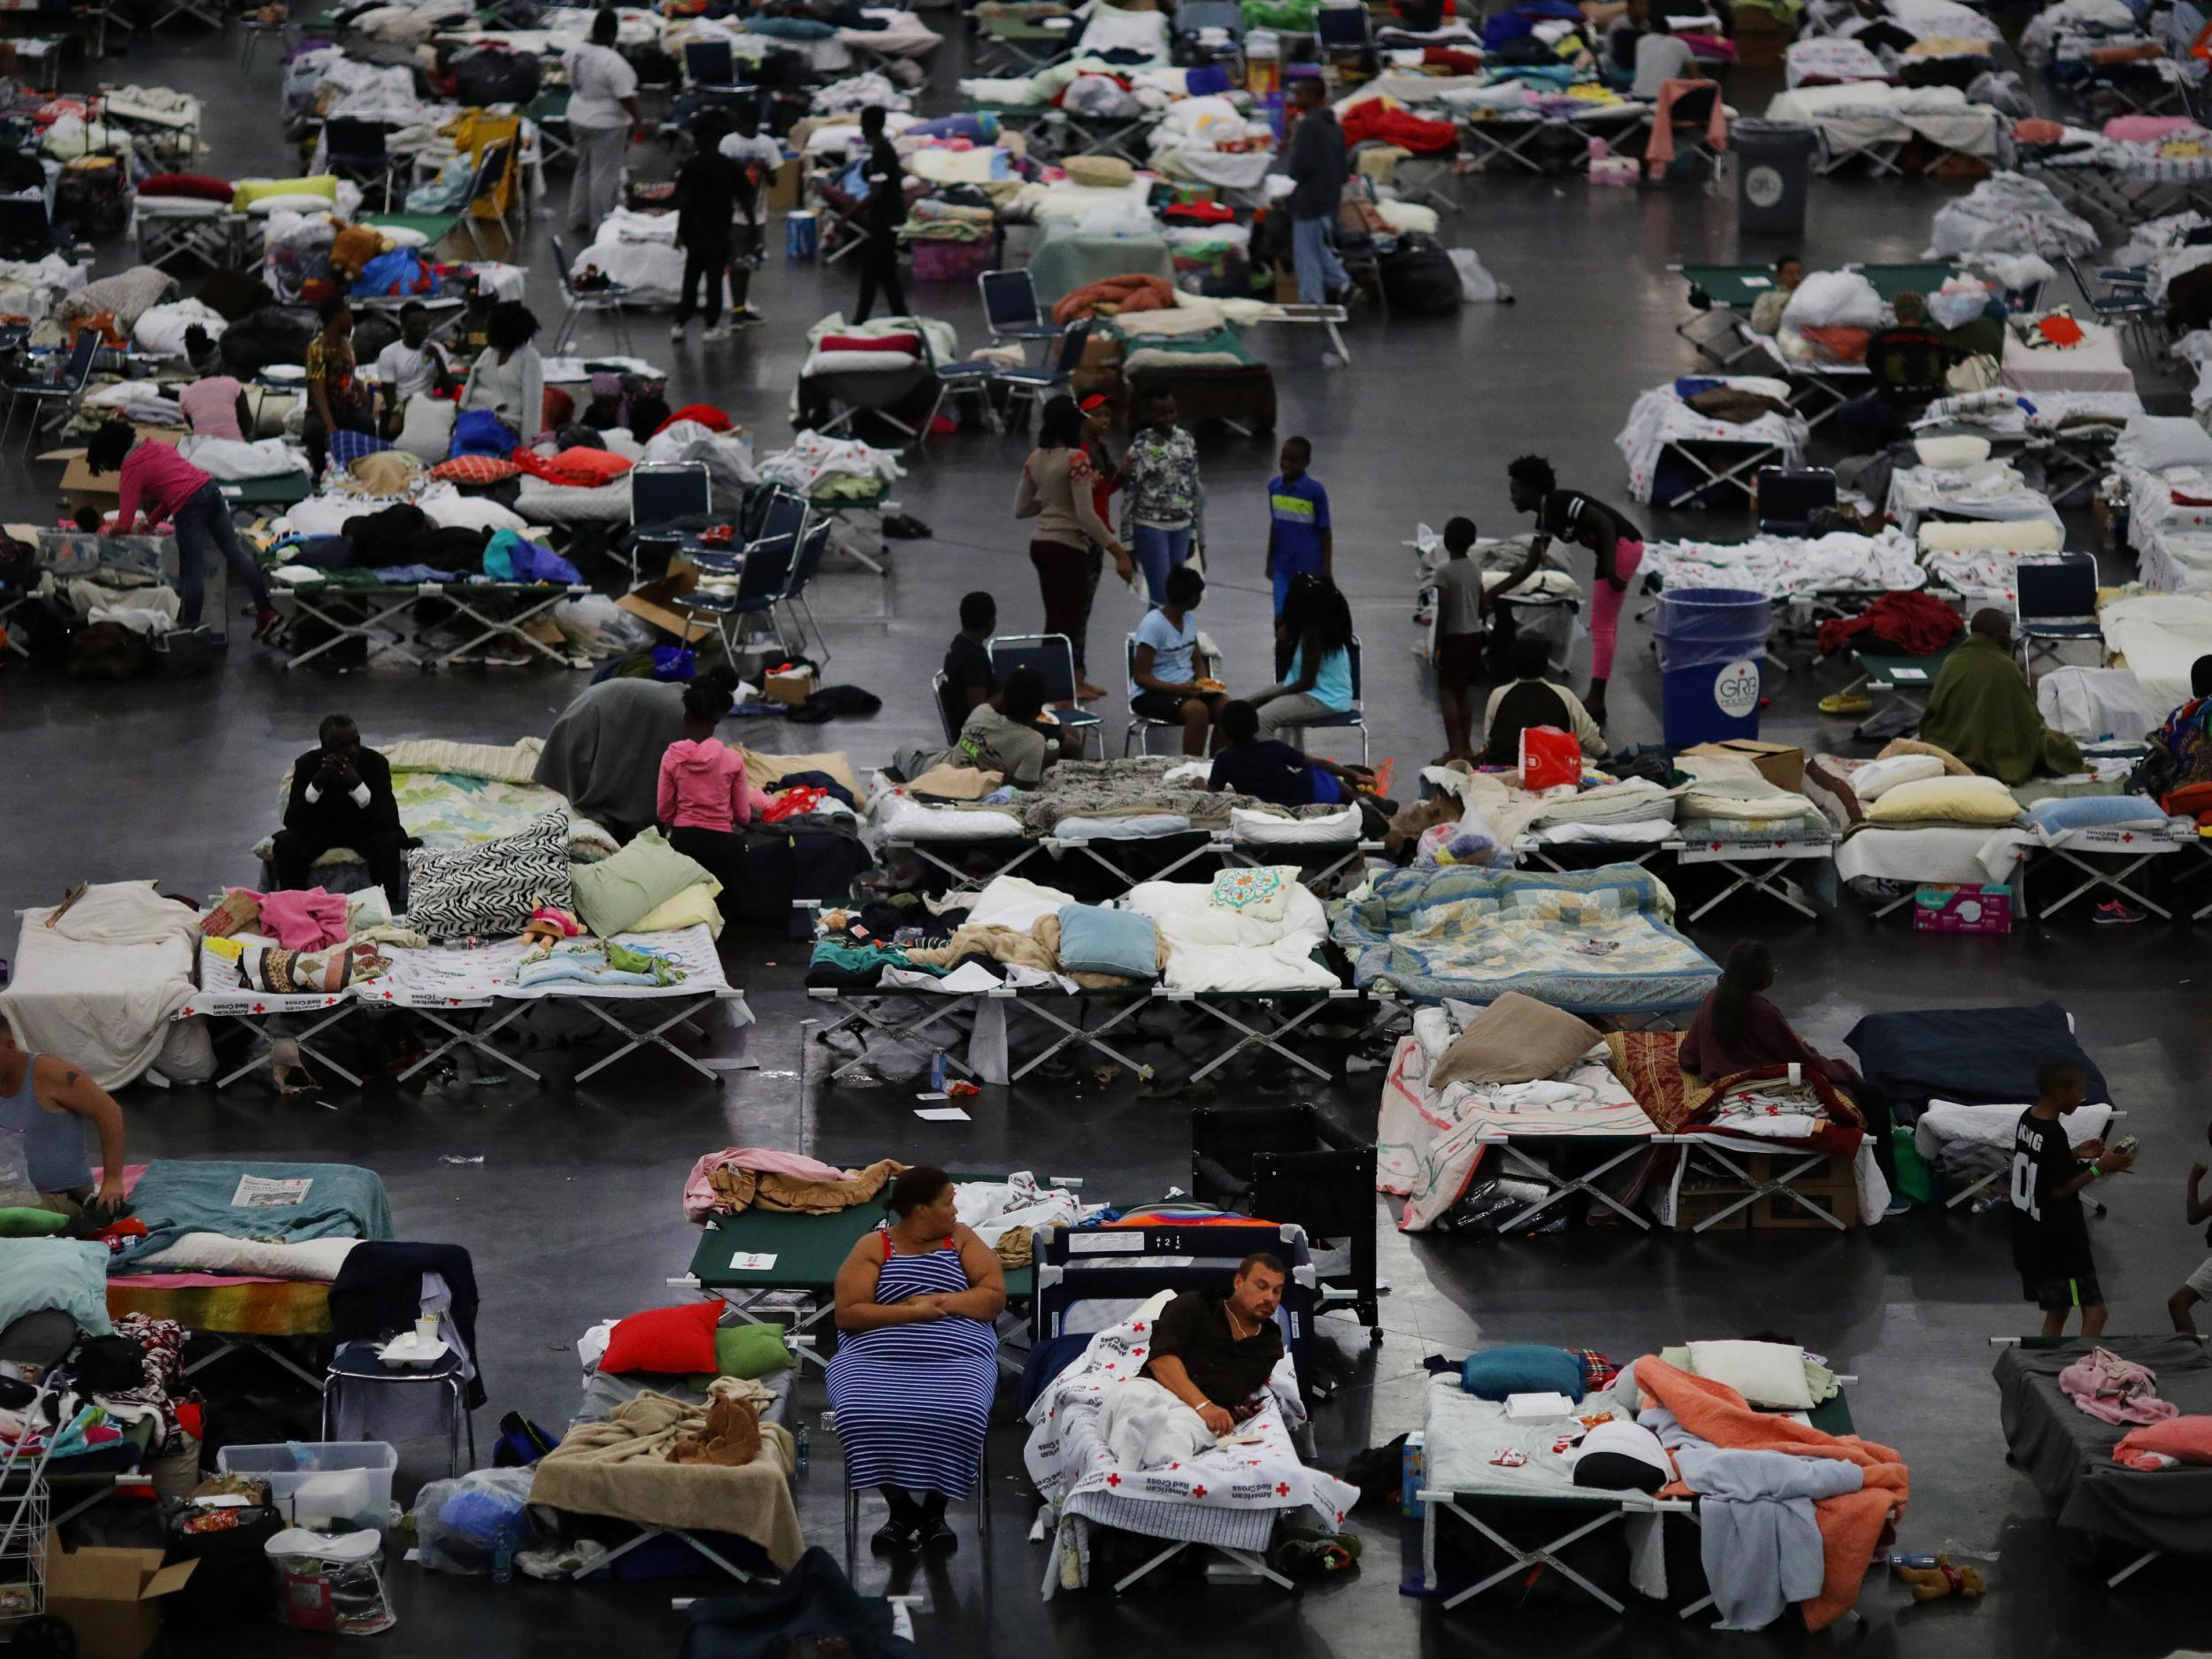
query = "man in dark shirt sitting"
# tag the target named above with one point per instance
(1215, 1353)
(341, 796)
(1274, 772)
(970, 677)
(1906, 364)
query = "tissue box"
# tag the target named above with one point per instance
(1548, 1407)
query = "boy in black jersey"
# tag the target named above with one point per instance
(2050, 1238)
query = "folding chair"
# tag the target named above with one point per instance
(356, 1364)
(1194, 18)
(2057, 603)
(355, 150)
(761, 579)
(1689, 119)
(805, 565)
(492, 168)
(1054, 659)
(1033, 386)
(1142, 725)
(710, 63)
(982, 1494)
(1345, 28)
(1354, 719)
(949, 717)
(661, 491)
(2125, 304)
(67, 386)
(1787, 501)
(607, 302)
(1011, 310)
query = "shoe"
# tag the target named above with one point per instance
(938, 1538)
(2117, 913)
(747, 317)
(265, 621)
(1898, 1206)
(893, 1537)
(676, 331)
(1085, 692)
(720, 331)
(1847, 702)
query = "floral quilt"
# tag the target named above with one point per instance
(1591, 941)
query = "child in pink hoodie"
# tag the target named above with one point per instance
(704, 798)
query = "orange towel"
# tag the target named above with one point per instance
(1853, 1525)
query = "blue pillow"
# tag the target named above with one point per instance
(790, 28)
(1496, 1373)
(1093, 939)
(2092, 811)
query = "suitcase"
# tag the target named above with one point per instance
(1420, 280)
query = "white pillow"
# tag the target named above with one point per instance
(218, 1253)
(1016, 903)
(1263, 828)
(1991, 535)
(425, 429)
(473, 512)
(1764, 1373)
(1876, 778)
(261, 207)
(2158, 442)
(1960, 449)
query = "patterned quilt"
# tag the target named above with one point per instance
(1429, 1143)
(1591, 941)
(450, 810)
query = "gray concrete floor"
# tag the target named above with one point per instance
(572, 1215)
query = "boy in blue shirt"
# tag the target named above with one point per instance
(1299, 541)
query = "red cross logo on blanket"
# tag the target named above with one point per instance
(1198, 1492)
(327, 1000)
(257, 1008)
(1136, 1353)
(1712, 846)
(1113, 1481)
(1137, 1329)
(387, 996)
(1282, 1489)
(2127, 838)
(1172, 1468)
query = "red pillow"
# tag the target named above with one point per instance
(475, 469)
(667, 1342)
(196, 185)
(706, 414)
(586, 467)
(911, 344)
(559, 409)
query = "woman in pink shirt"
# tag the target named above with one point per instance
(215, 404)
(703, 797)
(155, 476)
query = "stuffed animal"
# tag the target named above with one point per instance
(1933, 1584)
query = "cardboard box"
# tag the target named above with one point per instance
(1970, 908)
(793, 688)
(81, 486)
(1781, 764)
(110, 1598)
(649, 602)
(783, 186)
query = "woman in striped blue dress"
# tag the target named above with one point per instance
(917, 1360)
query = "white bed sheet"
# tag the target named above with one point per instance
(1659, 419)
(901, 818)
(102, 986)
(457, 976)
(2094, 365)
(1214, 949)
(2159, 636)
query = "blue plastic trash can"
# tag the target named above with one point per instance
(1712, 642)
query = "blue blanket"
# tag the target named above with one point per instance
(1974, 1056)
(176, 1196)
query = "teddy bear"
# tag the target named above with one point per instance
(1933, 1584)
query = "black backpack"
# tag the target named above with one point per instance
(1419, 279)
(108, 650)
(494, 75)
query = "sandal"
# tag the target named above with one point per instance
(1847, 702)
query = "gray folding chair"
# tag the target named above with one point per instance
(67, 388)
(607, 302)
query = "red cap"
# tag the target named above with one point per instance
(1095, 402)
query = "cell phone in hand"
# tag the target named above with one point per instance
(2125, 1144)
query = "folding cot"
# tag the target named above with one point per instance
(2068, 1454)
(1471, 1464)
(2107, 862)
(434, 984)
(389, 618)
(243, 1312)
(2128, 183)
(167, 230)
(764, 1262)
(1909, 680)
(1109, 1282)
(1724, 294)
(1874, 123)
(1762, 859)
(1594, 942)
(1019, 37)
(1714, 458)
(1564, 127)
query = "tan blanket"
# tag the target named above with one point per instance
(620, 1468)
(736, 1189)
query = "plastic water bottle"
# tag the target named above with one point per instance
(937, 1070)
(804, 1444)
(1921, 1564)
(503, 1558)
(1983, 1206)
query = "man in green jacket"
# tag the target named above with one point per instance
(1982, 710)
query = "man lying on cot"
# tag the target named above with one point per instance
(1211, 1357)
(1981, 710)
(45, 1105)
